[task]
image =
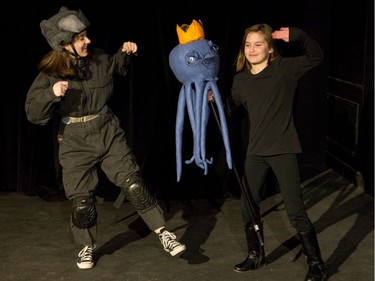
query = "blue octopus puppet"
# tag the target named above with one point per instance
(195, 63)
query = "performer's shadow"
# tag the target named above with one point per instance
(344, 205)
(201, 220)
(138, 230)
(199, 197)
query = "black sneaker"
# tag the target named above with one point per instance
(85, 258)
(168, 240)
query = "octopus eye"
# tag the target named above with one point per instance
(213, 45)
(192, 58)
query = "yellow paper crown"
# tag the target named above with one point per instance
(188, 33)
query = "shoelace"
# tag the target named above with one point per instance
(86, 254)
(168, 239)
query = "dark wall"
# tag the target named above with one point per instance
(350, 135)
(146, 99)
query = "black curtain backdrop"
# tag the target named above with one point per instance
(146, 99)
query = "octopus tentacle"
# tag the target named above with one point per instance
(179, 130)
(198, 116)
(223, 122)
(191, 108)
(204, 121)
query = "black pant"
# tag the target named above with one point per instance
(286, 170)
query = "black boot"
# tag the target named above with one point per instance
(255, 258)
(310, 248)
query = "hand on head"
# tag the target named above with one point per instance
(282, 34)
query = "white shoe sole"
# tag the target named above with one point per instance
(178, 250)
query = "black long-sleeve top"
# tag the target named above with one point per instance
(268, 98)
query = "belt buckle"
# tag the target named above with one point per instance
(82, 119)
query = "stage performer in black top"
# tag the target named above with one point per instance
(265, 84)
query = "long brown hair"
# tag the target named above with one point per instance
(57, 64)
(241, 62)
(61, 64)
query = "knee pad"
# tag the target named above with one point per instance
(138, 194)
(84, 213)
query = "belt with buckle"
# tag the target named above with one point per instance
(69, 120)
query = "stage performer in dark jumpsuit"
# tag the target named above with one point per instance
(76, 83)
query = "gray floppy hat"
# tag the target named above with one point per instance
(61, 27)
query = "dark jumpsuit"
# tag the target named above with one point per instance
(84, 146)
(273, 141)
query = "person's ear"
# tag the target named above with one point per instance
(67, 47)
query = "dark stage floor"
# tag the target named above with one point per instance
(36, 242)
